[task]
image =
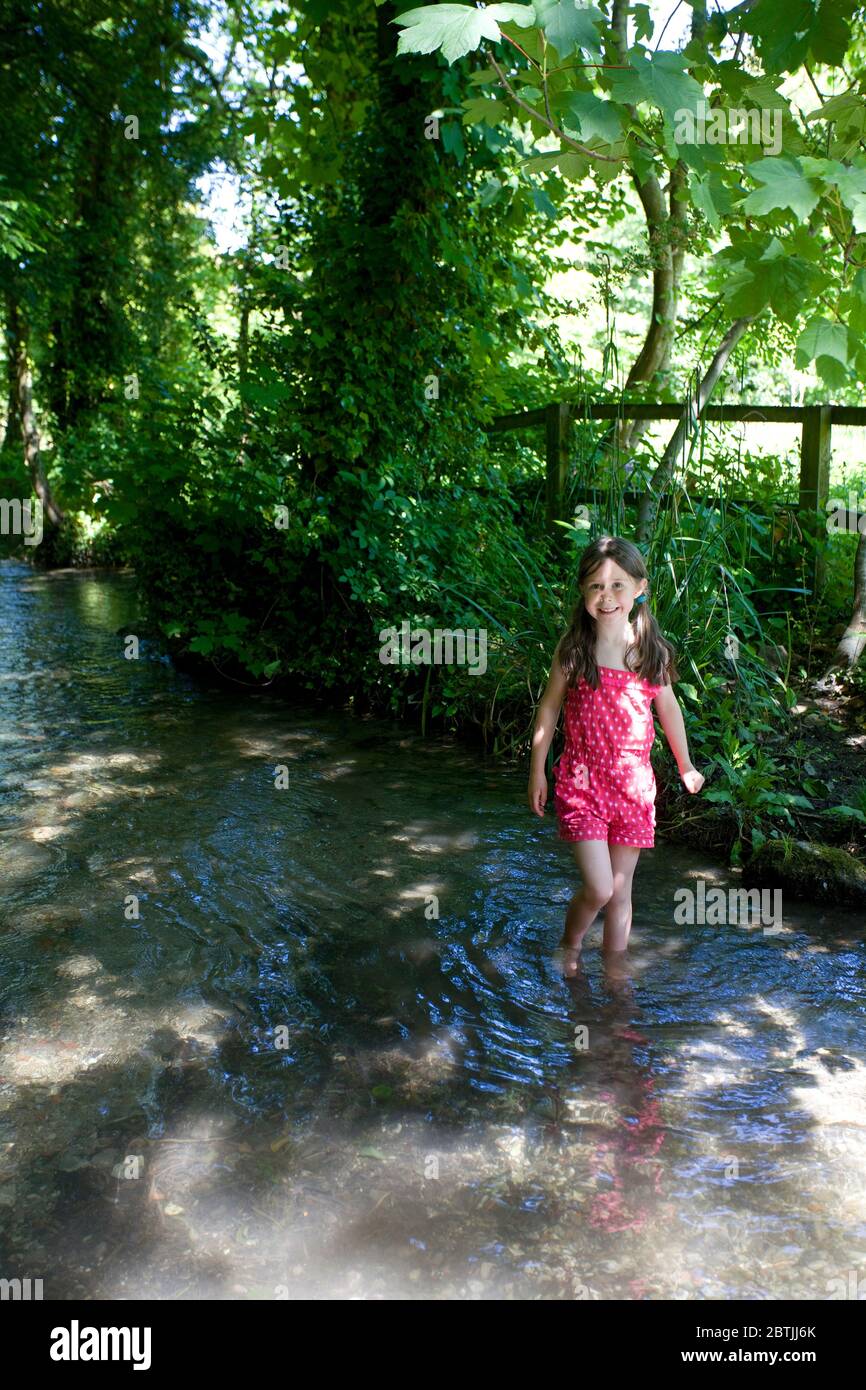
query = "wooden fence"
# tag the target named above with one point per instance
(816, 422)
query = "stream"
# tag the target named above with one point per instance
(280, 1016)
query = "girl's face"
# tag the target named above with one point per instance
(609, 594)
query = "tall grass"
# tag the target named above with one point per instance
(711, 574)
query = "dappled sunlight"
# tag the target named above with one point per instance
(47, 832)
(93, 763)
(421, 890)
(781, 1017)
(423, 841)
(837, 1095)
(263, 749)
(97, 792)
(37, 673)
(100, 1019)
(334, 771)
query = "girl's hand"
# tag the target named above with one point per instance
(537, 792)
(692, 779)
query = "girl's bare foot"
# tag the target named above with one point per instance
(568, 957)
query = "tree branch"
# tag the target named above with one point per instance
(686, 426)
(552, 127)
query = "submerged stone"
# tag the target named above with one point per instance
(819, 872)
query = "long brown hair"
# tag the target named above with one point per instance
(651, 655)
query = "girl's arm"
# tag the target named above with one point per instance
(542, 735)
(671, 719)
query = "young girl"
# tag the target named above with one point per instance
(613, 670)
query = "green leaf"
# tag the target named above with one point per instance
(699, 187)
(787, 31)
(761, 92)
(643, 24)
(747, 293)
(785, 279)
(484, 110)
(540, 161)
(452, 140)
(592, 117)
(847, 112)
(490, 192)
(573, 165)
(821, 338)
(482, 77)
(851, 184)
(815, 787)
(524, 15)
(831, 373)
(853, 305)
(455, 29)
(271, 394)
(831, 36)
(846, 812)
(569, 25)
(543, 203)
(659, 79)
(784, 186)
(838, 108)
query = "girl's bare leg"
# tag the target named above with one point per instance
(594, 861)
(617, 917)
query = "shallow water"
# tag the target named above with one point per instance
(287, 1077)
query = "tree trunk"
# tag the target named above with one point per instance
(243, 367)
(685, 428)
(17, 331)
(655, 353)
(89, 332)
(10, 423)
(852, 643)
(666, 229)
(392, 178)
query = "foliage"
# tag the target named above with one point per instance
(792, 219)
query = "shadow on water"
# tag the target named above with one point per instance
(287, 1076)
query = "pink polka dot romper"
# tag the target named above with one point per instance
(604, 786)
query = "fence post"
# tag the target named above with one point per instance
(557, 420)
(815, 481)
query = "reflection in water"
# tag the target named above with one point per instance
(311, 1042)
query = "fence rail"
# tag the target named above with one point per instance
(816, 421)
